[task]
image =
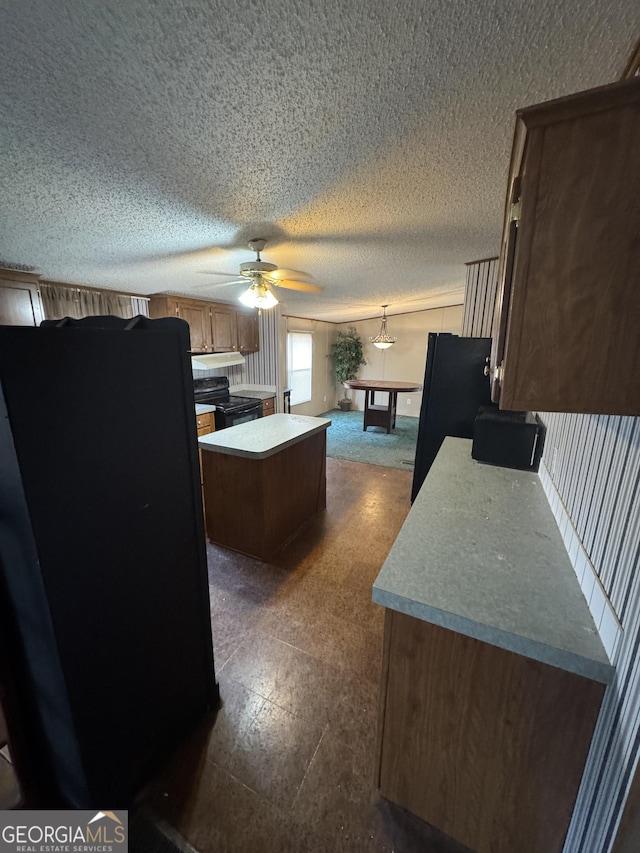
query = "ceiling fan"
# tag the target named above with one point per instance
(261, 276)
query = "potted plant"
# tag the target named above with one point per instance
(347, 354)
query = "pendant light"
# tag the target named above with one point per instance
(383, 340)
(258, 296)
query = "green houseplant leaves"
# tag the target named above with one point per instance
(347, 354)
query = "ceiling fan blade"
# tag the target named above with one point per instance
(295, 285)
(214, 285)
(291, 275)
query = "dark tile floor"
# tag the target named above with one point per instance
(289, 764)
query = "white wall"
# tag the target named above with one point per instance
(405, 360)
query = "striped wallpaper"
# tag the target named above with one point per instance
(140, 305)
(590, 471)
(593, 466)
(262, 367)
(480, 298)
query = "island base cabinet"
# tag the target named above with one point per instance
(256, 505)
(482, 743)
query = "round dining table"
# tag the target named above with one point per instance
(376, 414)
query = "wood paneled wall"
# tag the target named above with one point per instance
(591, 473)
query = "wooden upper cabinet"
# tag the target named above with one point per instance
(199, 320)
(223, 327)
(20, 303)
(248, 331)
(567, 329)
(213, 326)
(196, 313)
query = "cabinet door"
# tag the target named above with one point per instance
(502, 309)
(197, 316)
(248, 332)
(205, 424)
(268, 407)
(572, 315)
(20, 303)
(223, 328)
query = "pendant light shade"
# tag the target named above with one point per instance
(383, 340)
(258, 296)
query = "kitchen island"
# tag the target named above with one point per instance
(493, 670)
(263, 480)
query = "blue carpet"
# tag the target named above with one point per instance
(347, 440)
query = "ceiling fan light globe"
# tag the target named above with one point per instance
(267, 300)
(258, 297)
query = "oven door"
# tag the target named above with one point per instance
(237, 416)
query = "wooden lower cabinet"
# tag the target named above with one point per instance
(269, 407)
(264, 502)
(205, 424)
(482, 743)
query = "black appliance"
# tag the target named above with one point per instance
(510, 439)
(230, 409)
(106, 656)
(454, 388)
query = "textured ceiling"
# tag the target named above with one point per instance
(142, 143)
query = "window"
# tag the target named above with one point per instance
(299, 360)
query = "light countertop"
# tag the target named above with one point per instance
(256, 392)
(203, 409)
(256, 395)
(480, 553)
(263, 437)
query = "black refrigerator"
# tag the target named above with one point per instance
(454, 388)
(106, 656)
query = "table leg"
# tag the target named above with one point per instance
(382, 415)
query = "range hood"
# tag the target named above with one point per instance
(210, 360)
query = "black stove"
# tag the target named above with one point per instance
(229, 408)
